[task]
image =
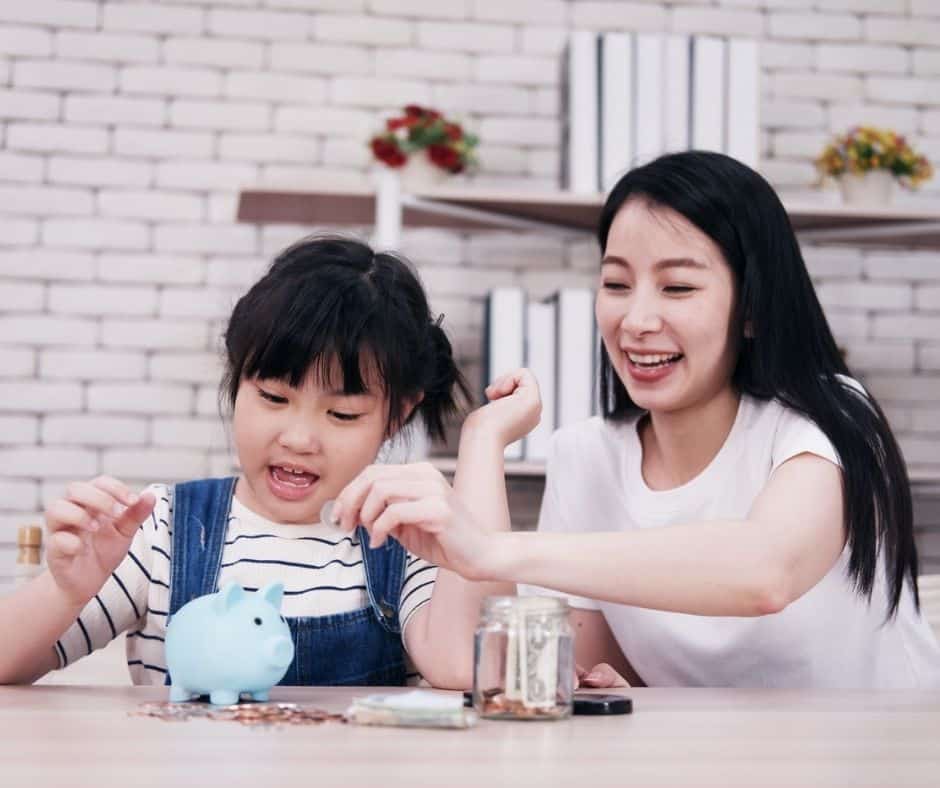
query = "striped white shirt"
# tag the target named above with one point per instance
(320, 566)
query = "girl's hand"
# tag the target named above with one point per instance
(602, 675)
(514, 409)
(415, 504)
(90, 532)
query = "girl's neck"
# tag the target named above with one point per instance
(679, 445)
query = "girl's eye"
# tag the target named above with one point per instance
(678, 289)
(618, 287)
(345, 416)
(272, 397)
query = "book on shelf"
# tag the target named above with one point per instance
(744, 101)
(677, 74)
(504, 342)
(574, 338)
(649, 97)
(708, 93)
(540, 359)
(580, 114)
(618, 124)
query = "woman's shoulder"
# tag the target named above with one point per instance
(783, 431)
(594, 433)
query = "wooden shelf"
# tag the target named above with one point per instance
(513, 468)
(896, 225)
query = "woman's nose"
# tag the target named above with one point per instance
(641, 317)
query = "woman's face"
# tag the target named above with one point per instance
(298, 447)
(664, 309)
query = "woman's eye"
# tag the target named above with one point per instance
(267, 395)
(345, 416)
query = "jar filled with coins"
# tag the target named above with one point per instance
(523, 659)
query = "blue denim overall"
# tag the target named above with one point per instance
(361, 647)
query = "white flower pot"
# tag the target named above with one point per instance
(869, 188)
(419, 173)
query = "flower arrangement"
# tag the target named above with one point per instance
(449, 147)
(866, 148)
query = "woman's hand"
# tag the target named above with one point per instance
(514, 407)
(415, 505)
(602, 675)
(90, 532)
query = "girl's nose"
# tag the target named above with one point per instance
(300, 438)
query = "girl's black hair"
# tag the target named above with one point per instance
(331, 305)
(792, 355)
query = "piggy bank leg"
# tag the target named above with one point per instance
(261, 696)
(179, 694)
(223, 697)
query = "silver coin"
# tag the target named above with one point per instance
(326, 513)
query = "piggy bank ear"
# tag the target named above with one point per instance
(228, 597)
(273, 593)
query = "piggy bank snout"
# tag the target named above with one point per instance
(278, 651)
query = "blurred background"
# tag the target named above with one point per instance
(128, 132)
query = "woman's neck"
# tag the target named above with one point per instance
(679, 445)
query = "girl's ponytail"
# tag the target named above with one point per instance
(442, 382)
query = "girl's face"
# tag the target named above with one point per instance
(664, 309)
(298, 447)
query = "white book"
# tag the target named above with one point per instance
(649, 96)
(540, 359)
(677, 93)
(617, 100)
(744, 101)
(708, 94)
(581, 114)
(504, 341)
(574, 326)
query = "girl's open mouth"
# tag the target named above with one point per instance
(290, 484)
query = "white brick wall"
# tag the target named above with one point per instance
(128, 128)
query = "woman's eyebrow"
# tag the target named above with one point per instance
(669, 262)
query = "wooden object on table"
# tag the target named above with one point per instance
(79, 736)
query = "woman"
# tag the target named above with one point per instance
(740, 515)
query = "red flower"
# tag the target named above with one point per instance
(453, 131)
(414, 111)
(388, 152)
(392, 124)
(446, 158)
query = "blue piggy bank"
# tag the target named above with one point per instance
(227, 643)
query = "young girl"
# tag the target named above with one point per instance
(331, 353)
(740, 515)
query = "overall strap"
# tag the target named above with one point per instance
(200, 521)
(385, 569)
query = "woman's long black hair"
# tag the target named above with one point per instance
(333, 307)
(792, 355)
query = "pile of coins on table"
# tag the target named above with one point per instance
(252, 714)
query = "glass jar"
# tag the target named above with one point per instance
(523, 667)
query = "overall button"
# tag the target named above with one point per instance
(387, 610)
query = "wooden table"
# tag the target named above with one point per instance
(84, 736)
